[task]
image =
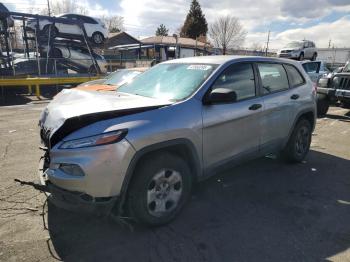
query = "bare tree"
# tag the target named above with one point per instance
(227, 32)
(114, 24)
(65, 6)
(255, 46)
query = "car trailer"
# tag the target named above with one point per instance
(36, 82)
(39, 40)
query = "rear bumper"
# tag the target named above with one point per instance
(326, 91)
(334, 94)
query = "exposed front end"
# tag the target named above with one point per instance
(86, 178)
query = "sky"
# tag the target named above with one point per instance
(323, 21)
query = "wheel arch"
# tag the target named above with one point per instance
(307, 114)
(182, 147)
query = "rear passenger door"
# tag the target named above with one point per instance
(232, 130)
(278, 100)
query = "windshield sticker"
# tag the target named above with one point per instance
(199, 67)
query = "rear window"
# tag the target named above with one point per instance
(273, 77)
(312, 67)
(294, 76)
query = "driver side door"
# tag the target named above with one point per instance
(232, 130)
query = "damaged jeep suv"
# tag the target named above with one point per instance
(139, 150)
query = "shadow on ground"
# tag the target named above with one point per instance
(10, 96)
(265, 210)
(343, 118)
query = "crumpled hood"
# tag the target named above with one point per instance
(76, 108)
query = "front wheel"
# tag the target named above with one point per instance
(161, 186)
(301, 57)
(299, 142)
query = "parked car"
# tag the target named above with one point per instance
(315, 69)
(112, 81)
(140, 149)
(95, 29)
(333, 88)
(299, 50)
(78, 59)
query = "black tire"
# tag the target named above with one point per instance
(345, 104)
(145, 181)
(322, 107)
(299, 142)
(97, 38)
(50, 30)
(301, 57)
(314, 56)
(55, 53)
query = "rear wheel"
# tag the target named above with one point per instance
(160, 188)
(299, 142)
(50, 31)
(314, 56)
(97, 38)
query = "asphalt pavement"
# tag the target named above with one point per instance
(263, 210)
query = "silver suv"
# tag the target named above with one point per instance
(138, 151)
(299, 50)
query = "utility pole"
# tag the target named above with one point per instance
(267, 43)
(329, 43)
(48, 7)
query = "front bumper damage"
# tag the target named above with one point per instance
(72, 200)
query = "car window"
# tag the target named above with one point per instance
(169, 81)
(273, 77)
(294, 76)
(87, 20)
(238, 78)
(312, 67)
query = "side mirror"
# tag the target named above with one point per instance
(220, 95)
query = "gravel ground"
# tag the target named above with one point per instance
(265, 210)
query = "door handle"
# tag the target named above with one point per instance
(255, 107)
(294, 97)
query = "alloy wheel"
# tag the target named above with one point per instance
(164, 192)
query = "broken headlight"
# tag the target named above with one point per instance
(97, 140)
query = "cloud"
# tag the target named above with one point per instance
(320, 34)
(288, 19)
(311, 8)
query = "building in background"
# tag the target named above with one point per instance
(334, 56)
(163, 48)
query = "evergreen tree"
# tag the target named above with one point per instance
(195, 24)
(162, 31)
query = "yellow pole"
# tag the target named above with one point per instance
(37, 91)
